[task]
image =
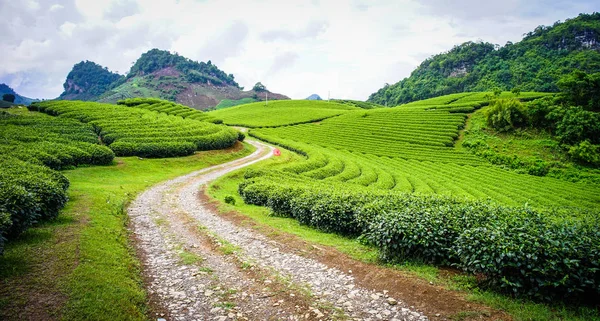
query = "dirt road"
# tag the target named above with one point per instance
(199, 266)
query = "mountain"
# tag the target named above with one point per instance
(19, 100)
(535, 63)
(314, 97)
(160, 74)
(87, 81)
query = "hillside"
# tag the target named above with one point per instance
(19, 100)
(87, 81)
(397, 177)
(534, 64)
(160, 74)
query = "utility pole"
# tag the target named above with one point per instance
(328, 95)
(266, 98)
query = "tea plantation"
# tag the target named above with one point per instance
(394, 176)
(169, 108)
(56, 135)
(141, 132)
(279, 113)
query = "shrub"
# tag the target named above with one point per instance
(28, 193)
(241, 136)
(506, 115)
(5, 224)
(522, 251)
(9, 98)
(525, 254)
(20, 205)
(538, 112)
(586, 152)
(153, 150)
(230, 200)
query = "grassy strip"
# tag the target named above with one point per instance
(518, 309)
(82, 266)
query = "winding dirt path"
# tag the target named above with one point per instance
(200, 266)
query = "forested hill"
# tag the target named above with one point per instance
(160, 74)
(535, 63)
(193, 71)
(87, 81)
(5, 89)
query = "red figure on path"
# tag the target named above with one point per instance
(276, 152)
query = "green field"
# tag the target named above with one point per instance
(395, 176)
(169, 108)
(143, 132)
(405, 182)
(412, 150)
(226, 103)
(520, 310)
(279, 113)
(83, 262)
(35, 145)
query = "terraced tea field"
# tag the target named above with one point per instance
(34, 145)
(394, 176)
(412, 150)
(143, 132)
(280, 113)
(169, 108)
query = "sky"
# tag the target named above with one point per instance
(342, 48)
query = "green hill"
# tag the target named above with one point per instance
(19, 100)
(160, 74)
(534, 64)
(87, 81)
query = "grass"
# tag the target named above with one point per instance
(189, 258)
(520, 310)
(467, 315)
(226, 247)
(82, 264)
(226, 103)
(530, 146)
(523, 144)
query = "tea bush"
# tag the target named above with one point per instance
(520, 250)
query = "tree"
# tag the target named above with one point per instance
(9, 97)
(586, 152)
(497, 92)
(516, 91)
(259, 87)
(581, 89)
(534, 64)
(578, 125)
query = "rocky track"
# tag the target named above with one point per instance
(199, 266)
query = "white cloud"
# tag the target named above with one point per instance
(33, 5)
(349, 47)
(67, 28)
(56, 7)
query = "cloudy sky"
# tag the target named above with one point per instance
(347, 47)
